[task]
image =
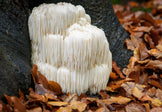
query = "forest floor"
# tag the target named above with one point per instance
(137, 88)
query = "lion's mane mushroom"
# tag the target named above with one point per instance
(68, 49)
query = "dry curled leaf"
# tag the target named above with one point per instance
(78, 105)
(134, 107)
(137, 93)
(56, 103)
(119, 100)
(64, 109)
(37, 109)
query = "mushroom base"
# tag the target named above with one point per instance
(92, 80)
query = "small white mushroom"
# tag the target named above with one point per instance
(68, 49)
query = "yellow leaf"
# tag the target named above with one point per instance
(55, 103)
(156, 102)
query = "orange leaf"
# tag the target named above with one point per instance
(54, 86)
(113, 76)
(56, 103)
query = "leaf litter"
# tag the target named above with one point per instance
(136, 88)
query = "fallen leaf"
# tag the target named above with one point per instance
(146, 98)
(37, 109)
(154, 64)
(56, 103)
(78, 105)
(18, 105)
(119, 100)
(100, 110)
(155, 83)
(8, 98)
(156, 102)
(151, 92)
(104, 95)
(113, 76)
(117, 69)
(64, 109)
(143, 51)
(32, 94)
(54, 86)
(143, 29)
(159, 94)
(134, 107)
(149, 40)
(137, 93)
(157, 109)
(156, 53)
(71, 97)
(134, 75)
(147, 106)
(128, 87)
(51, 97)
(41, 90)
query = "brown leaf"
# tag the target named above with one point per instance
(143, 79)
(56, 103)
(22, 98)
(64, 109)
(143, 51)
(156, 53)
(18, 105)
(154, 64)
(157, 109)
(104, 95)
(155, 83)
(119, 100)
(143, 29)
(134, 107)
(8, 98)
(71, 97)
(78, 105)
(128, 87)
(151, 92)
(37, 109)
(155, 36)
(146, 98)
(33, 95)
(134, 75)
(51, 97)
(137, 93)
(159, 94)
(54, 86)
(34, 71)
(159, 46)
(117, 69)
(147, 17)
(148, 39)
(41, 90)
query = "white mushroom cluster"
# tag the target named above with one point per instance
(68, 49)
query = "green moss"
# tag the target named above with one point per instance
(135, 9)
